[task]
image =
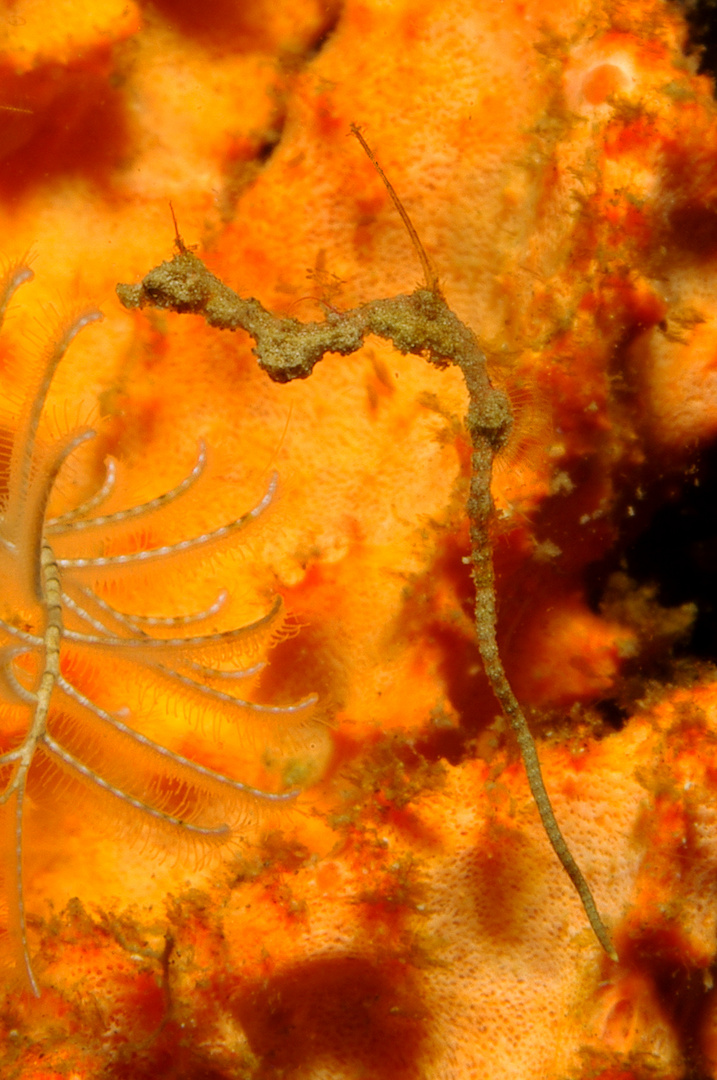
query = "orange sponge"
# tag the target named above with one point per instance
(408, 918)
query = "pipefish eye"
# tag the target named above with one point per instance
(58, 630)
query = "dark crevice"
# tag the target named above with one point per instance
(613, 715)
(701, 16)
(64, 121)
(676, 552)
(333, 15)
(241, 171)
(683, 993)
(333, 1012)
(228, 26)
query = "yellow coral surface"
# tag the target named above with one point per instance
(408, 919)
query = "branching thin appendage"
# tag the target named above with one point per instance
(421, 324)
(161, 794)
(137, 623)
(70, 522)
(57, 524)
(181, 545)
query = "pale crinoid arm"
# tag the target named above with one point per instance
(57, 524)
(30, 480)
(75, 520)
(215, 644)
(93, 777)
(171, 756)
(15, 275)
(136, 624)
(181, 546)
(421, 324)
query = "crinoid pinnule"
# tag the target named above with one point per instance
(57, 628)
